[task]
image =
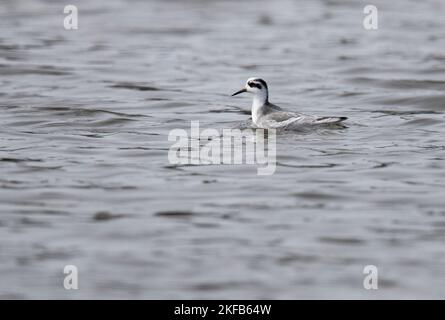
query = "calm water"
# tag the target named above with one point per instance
(85, 179)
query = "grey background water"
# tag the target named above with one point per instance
(85, 179)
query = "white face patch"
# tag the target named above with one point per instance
(256, 85)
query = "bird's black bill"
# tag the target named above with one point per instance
(238, 92)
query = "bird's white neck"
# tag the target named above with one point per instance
(260, 99)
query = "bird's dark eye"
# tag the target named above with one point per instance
(253, 84)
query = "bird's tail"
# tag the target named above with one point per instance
(330, 120)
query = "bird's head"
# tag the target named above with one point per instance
(255, 86)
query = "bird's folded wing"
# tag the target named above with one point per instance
(283, 118)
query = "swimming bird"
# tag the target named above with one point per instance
(269, 116)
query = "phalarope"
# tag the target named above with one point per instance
(269, 116)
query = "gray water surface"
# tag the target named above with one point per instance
(85, 178)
